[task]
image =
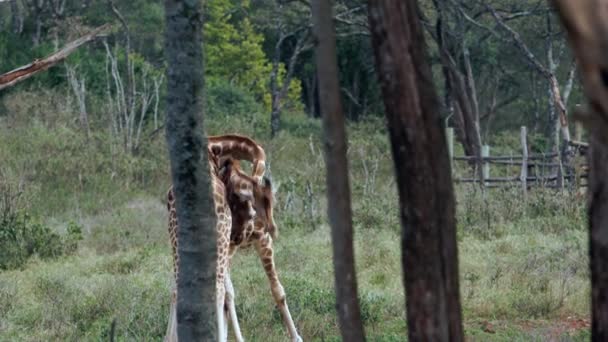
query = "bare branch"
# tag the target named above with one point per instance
(570, 82)
(519, 42)
(27, 71)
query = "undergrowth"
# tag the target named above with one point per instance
(521, 259)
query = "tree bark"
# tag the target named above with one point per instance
(196, 318)
(336, 162)
(422, 167)
(587, 29)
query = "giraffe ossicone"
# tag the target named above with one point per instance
(244, 217)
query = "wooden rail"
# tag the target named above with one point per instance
(559, 164)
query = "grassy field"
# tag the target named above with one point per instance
(523, 264)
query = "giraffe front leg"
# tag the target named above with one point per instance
(264, 249)
(231, 308)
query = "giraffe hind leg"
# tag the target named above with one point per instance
(171, 334)
(264, 249)
(231, 308)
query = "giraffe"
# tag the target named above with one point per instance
(258, 231)
(249, 200)
(223, 229)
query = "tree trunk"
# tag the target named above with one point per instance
(460, 86)
(279, 93)
(338, 188)
(16, 18)
(422, 167)
(196, 318)
(587, 30)
(598, 236)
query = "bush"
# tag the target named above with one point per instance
(225, 99)
(21, 238)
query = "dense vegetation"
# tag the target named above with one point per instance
(83, 237)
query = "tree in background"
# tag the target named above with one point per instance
(336, 165)
(233, 48)
(492, 84)
(588, 32)
(422, 169)
(189, 174)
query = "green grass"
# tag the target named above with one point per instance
(523, 263)
(533, 276)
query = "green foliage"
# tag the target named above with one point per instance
(106, 178)
(22, 238)
(518, 259)
(233, 49)
(226, 99)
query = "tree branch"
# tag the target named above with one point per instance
(22, 73)
(519, 42)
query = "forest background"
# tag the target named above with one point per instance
(84, 170)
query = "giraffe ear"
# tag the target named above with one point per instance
(268, 185)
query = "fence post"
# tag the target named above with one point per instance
(449, 135)
(485, 169)
(524, 160)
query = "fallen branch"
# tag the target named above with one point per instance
(12, 77)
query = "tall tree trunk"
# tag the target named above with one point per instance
(588, 33)
(16, 18)
(422, 167)
(196, 319)
(35, 8)
(275, 111)
(279, 93)
(554, 122)
(336, 163)
(460, 85)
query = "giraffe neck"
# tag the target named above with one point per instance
(240, 148)
(219, 201)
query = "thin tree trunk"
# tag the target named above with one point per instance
(422, 167)
(130, 91)
(460, 86)
(588, 33)
(279, 94)
(16, 18)
(336, 163)
(196, 318)
(275, 93)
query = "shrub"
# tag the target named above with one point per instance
(224, 99)
(21, 238)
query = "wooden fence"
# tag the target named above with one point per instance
(551, 170)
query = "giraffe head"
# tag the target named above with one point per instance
(248, 198)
